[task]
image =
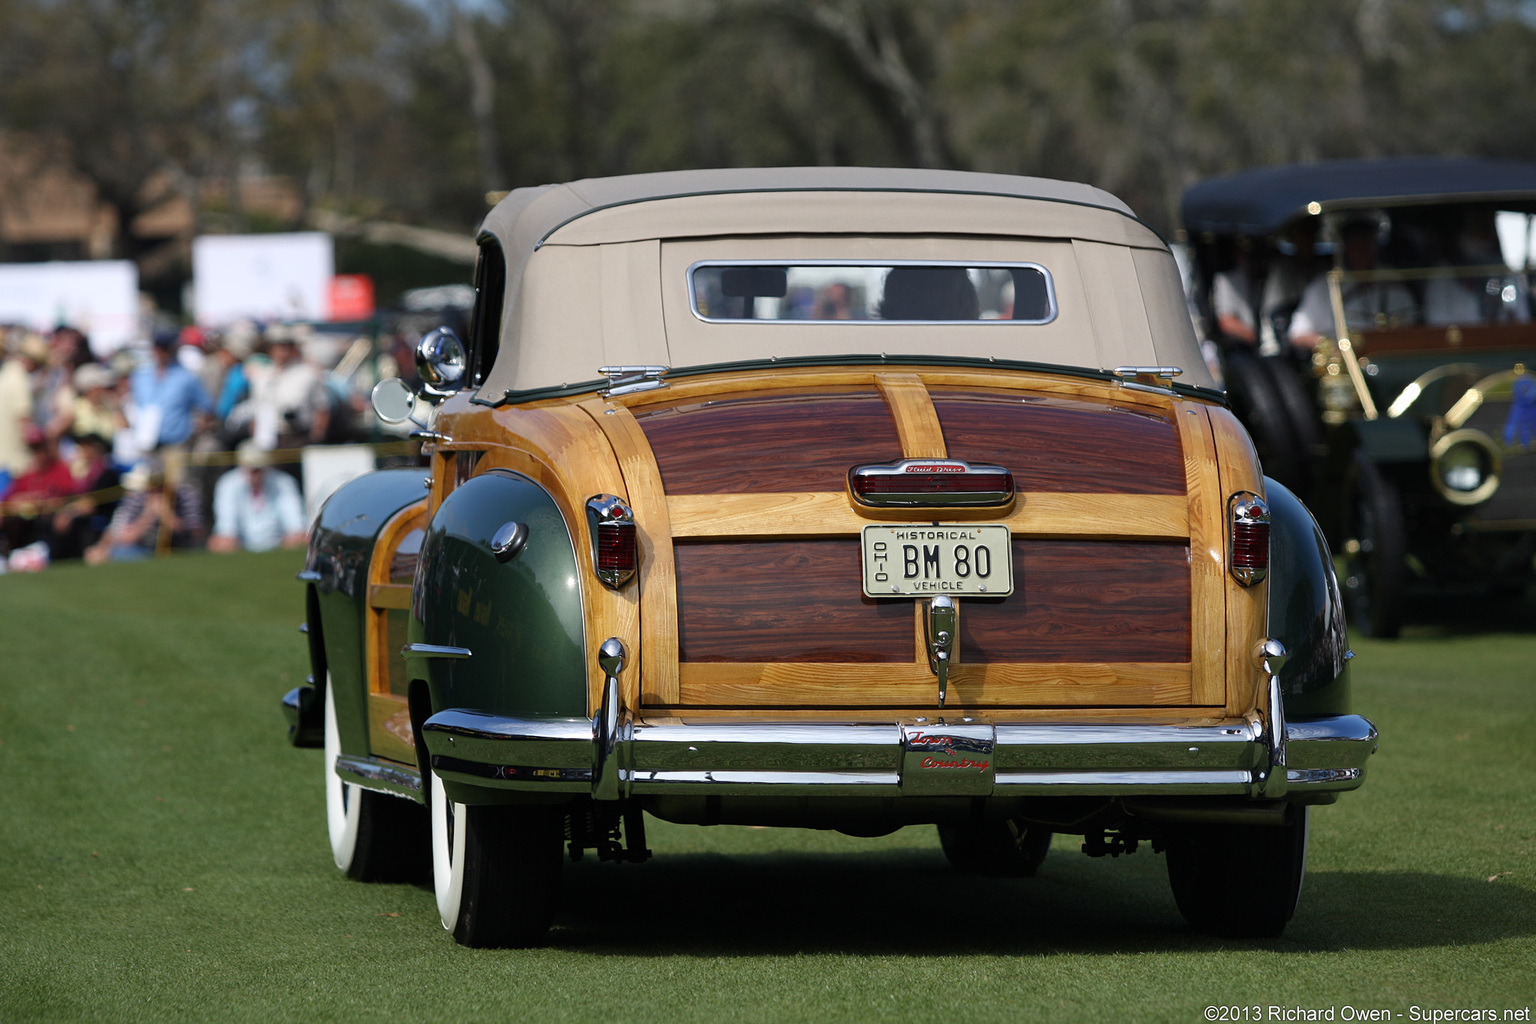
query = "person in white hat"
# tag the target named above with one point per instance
(255, 508)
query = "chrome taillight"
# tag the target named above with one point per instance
(935, 482)
(614, 553)
(1247, 538)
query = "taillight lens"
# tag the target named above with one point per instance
(614, 552)
(1247, 538)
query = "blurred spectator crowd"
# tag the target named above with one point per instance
(190, 439)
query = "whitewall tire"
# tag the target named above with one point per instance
(343, 808)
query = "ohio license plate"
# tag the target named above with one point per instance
(958, 559)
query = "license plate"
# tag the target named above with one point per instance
(958, 559)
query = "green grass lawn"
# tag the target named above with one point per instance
(163, 857)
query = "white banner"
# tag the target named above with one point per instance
(100, 298)
(261, 277)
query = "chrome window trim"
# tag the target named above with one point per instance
(1050, 290)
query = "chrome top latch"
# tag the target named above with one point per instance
(939, 631)
(1157, 379)
(624, 380)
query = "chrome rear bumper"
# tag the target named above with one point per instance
(938, 757)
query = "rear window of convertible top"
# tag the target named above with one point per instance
(893, 292)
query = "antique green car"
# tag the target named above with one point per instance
(1411, 429)
(825, 498)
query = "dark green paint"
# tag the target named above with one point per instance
(1306, 610)
(339, 550)
(521, 620)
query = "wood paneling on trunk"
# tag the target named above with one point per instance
(798, 600)
(1084, 601)
(769, 443)
(1054, 444)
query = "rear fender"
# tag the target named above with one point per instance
(336, 569)
(515, 628)
(1306, 609)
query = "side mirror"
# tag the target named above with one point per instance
(393, 400)
(442, 362)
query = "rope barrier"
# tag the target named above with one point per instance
(33, 509)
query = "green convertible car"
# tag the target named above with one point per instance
(829, 498)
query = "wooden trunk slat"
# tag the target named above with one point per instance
(1060, 445)
(913, 686)
(1151, 516)
(916, 421)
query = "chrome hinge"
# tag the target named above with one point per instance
(1156, 379)
(623, 380)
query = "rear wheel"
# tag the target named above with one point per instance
(1375, 551)
(1007, 848)
(1240, 881)
(374, 837)
(495, 870)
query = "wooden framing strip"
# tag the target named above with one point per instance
(913, 685)
(1207, 563)
(917, 422)
(1038, 514)
(1246, 607)
(389, 595)
(693, 388)
(652, 674)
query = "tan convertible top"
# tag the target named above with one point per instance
(590, 267)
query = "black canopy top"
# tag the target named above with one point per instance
(1262, 200)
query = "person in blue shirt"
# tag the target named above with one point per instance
(256, 508)
(168, 399)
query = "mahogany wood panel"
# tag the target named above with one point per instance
(797, 600)
(769, 442)
(1054, 444)
(1084, 601)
